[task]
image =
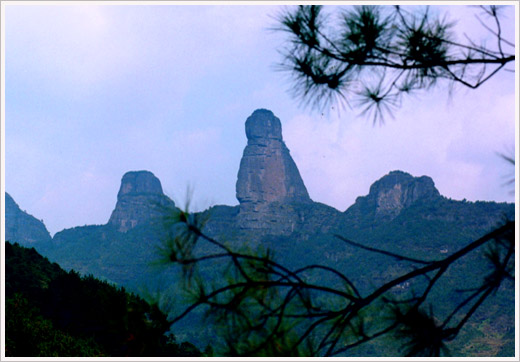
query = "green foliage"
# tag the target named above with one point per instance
(426, 230)
(422, 334)
(319, 310)
(59, 313)
(29, 334)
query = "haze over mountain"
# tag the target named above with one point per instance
(402, 213)
(20, 226)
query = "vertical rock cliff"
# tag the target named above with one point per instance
(269, 187)
(140, 198)
(267, 171)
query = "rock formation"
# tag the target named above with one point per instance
(267, 171)
(268, 177)
(140, 198)
(21, 227)
(398, 190)
(394, 192)
(401, 213)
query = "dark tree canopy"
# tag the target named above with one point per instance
(369, 57)
(54, 313)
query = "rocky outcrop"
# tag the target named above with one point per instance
(394, 192)
(22, 228)
(398, 190)
(140, 199)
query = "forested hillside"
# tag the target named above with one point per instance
(53, 313)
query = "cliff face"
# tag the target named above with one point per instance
(267, 171)
(140, 199)
(21, 227)
(394, 192)
(269, 183)
(399, 190)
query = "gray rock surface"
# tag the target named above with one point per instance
(140, 199)
(139, 182)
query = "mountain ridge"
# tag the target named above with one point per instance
(273, 199)
(401, 213)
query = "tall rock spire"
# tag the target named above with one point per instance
(140, 198)
(267, 171)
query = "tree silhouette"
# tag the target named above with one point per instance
(373, 57)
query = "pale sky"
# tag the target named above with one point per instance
(94, 91)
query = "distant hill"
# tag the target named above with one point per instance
(401, 213)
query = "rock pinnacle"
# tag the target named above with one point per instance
(267, 171)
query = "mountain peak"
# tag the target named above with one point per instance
(397, 190)
(139, 182)
(267, 176)
(262, 125)
(267, 171)
(140, 198)
(421, 187)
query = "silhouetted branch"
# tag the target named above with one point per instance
(384, 252)
(276, 295)
(328, 60)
